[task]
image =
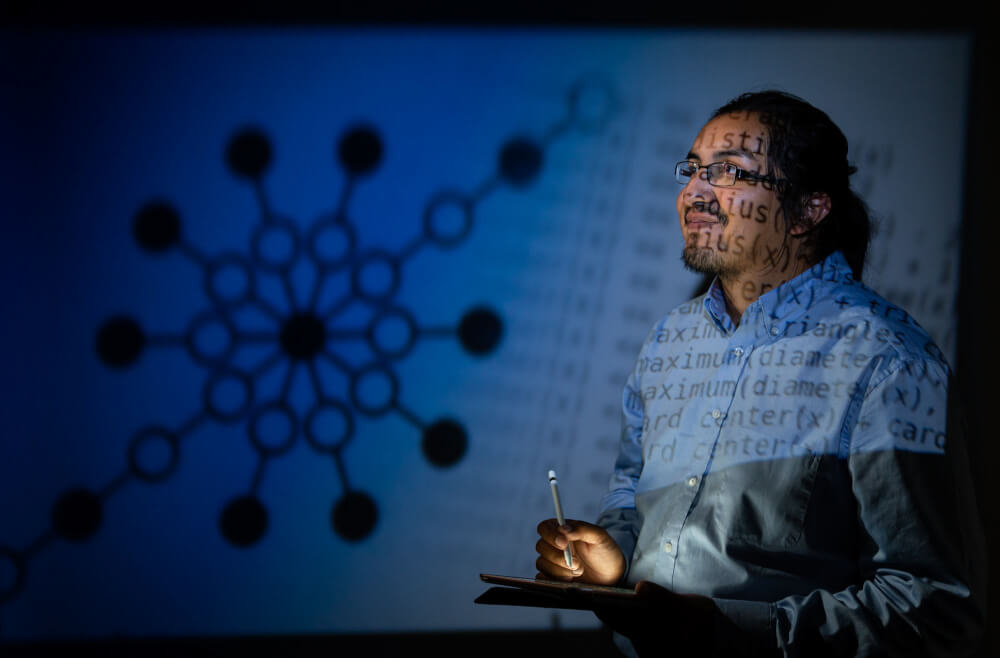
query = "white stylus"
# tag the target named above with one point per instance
(554, 483)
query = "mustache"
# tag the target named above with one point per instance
(712, 208)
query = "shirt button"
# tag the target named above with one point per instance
(738, 351)
(775, 331)
(692, 481)
(716, 413)
(668, 547)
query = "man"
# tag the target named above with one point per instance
(790, 479)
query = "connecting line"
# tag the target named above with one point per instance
(289, 291)
(485, 188)
(345, 197)
(40, 542)
(317, 287)
(338, 362)
(317, 384)
(192, 252)
(266, 364)
(117, 483)
(258, 337)
(265, 206)
(165, 340)
(413, 247)
(437, 332)
(258, 474)
(286, 385)
(338, 462)
(345, 334)
(557, 130)
(410, 416)
(191, 424)
(268, 309)
(343, 303)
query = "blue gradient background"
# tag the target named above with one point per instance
(578, 264)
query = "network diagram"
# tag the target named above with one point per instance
(303, 334)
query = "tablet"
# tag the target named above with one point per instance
(553, 594)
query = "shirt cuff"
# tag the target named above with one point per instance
(745, 628)
(621, 524)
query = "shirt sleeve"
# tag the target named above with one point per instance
(921, 550)
(618, 514)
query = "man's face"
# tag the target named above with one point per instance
(731, 231)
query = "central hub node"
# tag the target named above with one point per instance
(303, 335)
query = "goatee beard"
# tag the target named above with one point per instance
(706, 260)
(701, 260)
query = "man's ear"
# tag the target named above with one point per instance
(815, 208)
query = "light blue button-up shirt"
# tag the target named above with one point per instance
(803, 469)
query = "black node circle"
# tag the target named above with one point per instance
(77, 515)
(249, 153)
(591, 104)
(480, 330)
(354, 516)
(219, 275)
(156, 226)
(329, 426)
(448, 219)
(215, 387)
(362, 383)
(120, 341)
(153, 440)
(303, 335)
(520, 161)
(380, 330)
(243, 521)
(375, 276)
(267, 236)
(444, 442)
(331, 243)
(201, 327)
(360, 149)
(15, 584)
(262, 434)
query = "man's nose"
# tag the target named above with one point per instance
(697, 186)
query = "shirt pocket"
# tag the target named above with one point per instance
(763, 502)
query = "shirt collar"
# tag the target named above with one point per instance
(790, 299)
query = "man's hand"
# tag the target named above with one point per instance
(596, 557)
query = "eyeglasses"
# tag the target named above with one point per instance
(720, 174)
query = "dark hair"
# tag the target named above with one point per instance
(809, 151)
